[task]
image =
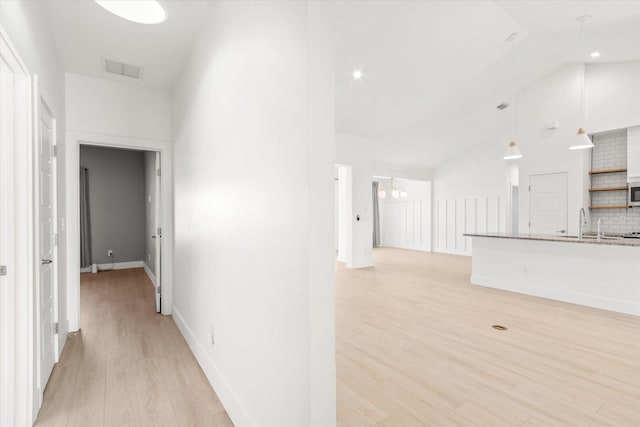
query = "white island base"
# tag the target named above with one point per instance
(604, 275)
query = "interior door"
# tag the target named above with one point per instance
(548, 204)
(7, 266)
(158, 231)
(46, 218)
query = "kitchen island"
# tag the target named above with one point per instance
(596, 273)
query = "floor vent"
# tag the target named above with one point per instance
(122, 69)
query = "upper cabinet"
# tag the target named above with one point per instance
(633, 154)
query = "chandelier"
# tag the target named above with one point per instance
(395, 191)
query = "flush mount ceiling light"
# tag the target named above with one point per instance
(513, 152)
(357, 74)
(595, 54)
(581, 140)
(140, 11)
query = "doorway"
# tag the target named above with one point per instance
(548, 204)
(163, 211)
(120, 211)
(18, 357)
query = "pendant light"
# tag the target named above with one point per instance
(513, 152)
(581, 140)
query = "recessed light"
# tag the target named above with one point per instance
(595, 54)
(357, 74)
(140, 11)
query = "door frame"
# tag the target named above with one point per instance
(72, 184)
(21, 403)
(38, 103)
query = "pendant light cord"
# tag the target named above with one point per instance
(513, 89)
(582, 20)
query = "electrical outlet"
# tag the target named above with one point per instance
(149, 257)
(110, 253)
(211, 339)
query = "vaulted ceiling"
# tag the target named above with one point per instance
(434, 71)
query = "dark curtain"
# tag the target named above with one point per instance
(85, 223)
(376, 215)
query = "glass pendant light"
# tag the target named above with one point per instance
(581, 141)
(381, 193)
(513, 152)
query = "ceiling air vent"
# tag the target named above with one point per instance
(122, 69)
(502, 106)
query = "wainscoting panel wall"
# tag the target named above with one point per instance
(405, 224)
(455, 216)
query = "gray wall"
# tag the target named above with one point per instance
(116, 203)
(150, 209)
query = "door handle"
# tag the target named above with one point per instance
(153, 237)
(46, 261)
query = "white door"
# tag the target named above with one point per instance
(548, 204)
(46, 215)
(158, 232)
(7, 289)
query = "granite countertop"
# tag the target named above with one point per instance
(589, 239)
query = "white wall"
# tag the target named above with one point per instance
(612, 95)
(26, 26)
(118, 109)
(254, 190)
(406, 222)
(470, 195)
(355, 151)
(556, 97)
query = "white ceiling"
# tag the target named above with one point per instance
(434, 71)
(85, 34)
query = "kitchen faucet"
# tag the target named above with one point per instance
(599, 235)
(583, 222)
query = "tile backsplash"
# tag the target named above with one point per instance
(610, 151)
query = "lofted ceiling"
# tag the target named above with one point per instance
(434, 71)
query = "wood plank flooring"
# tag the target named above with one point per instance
(129, 366)
(415, 347)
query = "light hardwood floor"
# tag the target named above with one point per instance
(129, 366)
(415, 347)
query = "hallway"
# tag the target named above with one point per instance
(128, 366)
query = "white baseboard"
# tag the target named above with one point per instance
(451, 252)
(152, 276)
(229, 400)
(115, 266)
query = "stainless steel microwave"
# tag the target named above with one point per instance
(634, 194)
